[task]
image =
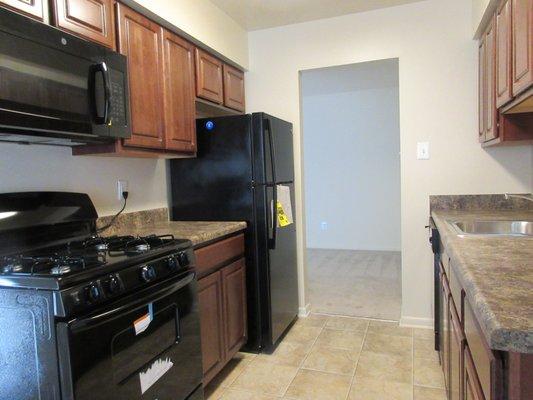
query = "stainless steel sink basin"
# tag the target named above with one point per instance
(499, 228)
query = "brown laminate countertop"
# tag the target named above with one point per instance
(198, 232)
(497, 274)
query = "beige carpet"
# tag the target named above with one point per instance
(355, 283)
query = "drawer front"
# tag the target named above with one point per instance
(217, 254)
(488, 367)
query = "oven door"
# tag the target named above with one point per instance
(144, 347)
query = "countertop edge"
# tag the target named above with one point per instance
(498, 338)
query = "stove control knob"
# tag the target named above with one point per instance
(148, 273)
(183, 259)
(93, 292)
(114, 285)
(172, 263)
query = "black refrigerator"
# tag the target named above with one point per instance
(241, 163)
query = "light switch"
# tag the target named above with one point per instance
(422, 151)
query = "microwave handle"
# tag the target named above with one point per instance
(102, 68)
(110, 313)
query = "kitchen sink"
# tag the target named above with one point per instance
(498, 228)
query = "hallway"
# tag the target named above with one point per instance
(355, 283)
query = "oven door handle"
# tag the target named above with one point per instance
(110, 313)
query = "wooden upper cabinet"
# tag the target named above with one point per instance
(522, 45)
(92, 19)
(233, 88)
(503, 54)
(491, 125)
(141, 40)
(209, 84)
(482, 85)
(37, 9)
(180, 126)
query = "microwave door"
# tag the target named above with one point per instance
(43, 89)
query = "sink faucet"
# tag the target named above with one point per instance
(518, 196)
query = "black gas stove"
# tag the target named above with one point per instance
(86, 316)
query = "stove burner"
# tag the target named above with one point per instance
(12, 265)
(60, 270)
(81, 255)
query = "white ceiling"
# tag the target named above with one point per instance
(260, 14)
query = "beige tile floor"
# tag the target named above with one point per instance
(357, 283)
(337, 358)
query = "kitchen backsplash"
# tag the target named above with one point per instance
(136, 220)
(478, 202)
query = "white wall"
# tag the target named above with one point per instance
(205, 22)
(352, 156)
(482, 10)
(27, 168)
(438, 103)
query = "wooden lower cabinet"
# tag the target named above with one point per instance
(456, 354)
(472, 386)
(234, 301)
(211, 320)
(222, 298)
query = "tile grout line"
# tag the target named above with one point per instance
(305, 358)
(357, 363)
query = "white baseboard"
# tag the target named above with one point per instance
(414, 322)
(303, 312)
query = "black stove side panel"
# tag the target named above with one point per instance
(28, 358)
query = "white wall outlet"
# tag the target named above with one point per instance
(422, 151)
(323, 226)
(122, 186)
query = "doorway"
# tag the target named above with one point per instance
(351, 140)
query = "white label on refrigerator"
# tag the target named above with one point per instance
(154, 373)
(284, 206)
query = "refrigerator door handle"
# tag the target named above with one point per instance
(272, 237)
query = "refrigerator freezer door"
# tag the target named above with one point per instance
(273, 149)
(217, 184)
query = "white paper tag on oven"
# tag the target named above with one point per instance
(141, 324)
(154, 373)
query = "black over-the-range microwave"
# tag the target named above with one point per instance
(56, 88)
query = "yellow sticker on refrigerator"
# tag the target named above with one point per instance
(283, 220)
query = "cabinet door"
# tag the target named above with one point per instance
(141, 41)
(522, 45)
(234, 289)
(503, 54)
(456, 354)
(491, 128)
(37, 9)
(472, 386)
(212, 327)
(92, 19)
(233, 88)
(180, 126)
(482, 85)
(445, 334)
(209, 77)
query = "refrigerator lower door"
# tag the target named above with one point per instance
(282, 271)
